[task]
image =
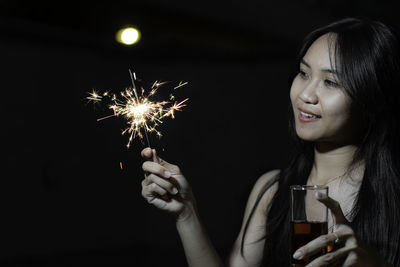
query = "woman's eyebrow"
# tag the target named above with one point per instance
(302, 61)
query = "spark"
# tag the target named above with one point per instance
(94, 96)
(180, 85)
(141, 112)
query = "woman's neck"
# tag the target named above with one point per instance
(331, 162)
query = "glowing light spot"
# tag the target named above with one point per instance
(128, 36)
(138, 111)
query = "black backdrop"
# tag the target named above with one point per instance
(64, 198)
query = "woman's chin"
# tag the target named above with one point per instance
(307, 136)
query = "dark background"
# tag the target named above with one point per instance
(64, 198)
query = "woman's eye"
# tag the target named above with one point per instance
(303, 74)
(331, 83)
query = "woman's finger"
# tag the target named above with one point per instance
(331, 257)
(167, 185)
(151, 155)
(315, 246)
(334, 206)
(152, 190)
(158, 202)
(157, 169)
(175, 170)
(147, 153)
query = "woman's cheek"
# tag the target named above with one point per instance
(294, 91)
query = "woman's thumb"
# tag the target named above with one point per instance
(147, 153)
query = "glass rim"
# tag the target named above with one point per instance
(308, 187)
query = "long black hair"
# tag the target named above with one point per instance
(367, 59)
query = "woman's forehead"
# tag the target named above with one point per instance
(321, 54)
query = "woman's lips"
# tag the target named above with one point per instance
(308, 112)
(305, 116)
(305, 119)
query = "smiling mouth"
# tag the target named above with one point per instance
(308, 115)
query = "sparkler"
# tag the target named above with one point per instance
(142, 114)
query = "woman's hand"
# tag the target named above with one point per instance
(349, 252)
(165, 187)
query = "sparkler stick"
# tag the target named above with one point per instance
(133, 84)
(141, 113)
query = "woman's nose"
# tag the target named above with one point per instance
(309, 94)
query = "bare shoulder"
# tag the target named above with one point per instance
(265, 179)
(253, 242)
(259, 186)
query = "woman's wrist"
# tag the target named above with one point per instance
(188, 214)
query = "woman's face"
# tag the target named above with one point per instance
(322, 110)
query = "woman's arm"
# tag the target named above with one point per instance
(253, 246)
(158, 188)
(198, 248)
(166, 188)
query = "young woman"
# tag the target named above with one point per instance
(344, 117)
